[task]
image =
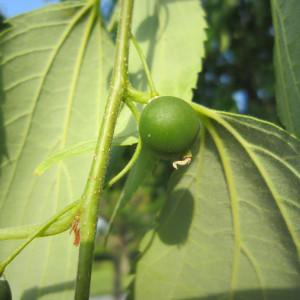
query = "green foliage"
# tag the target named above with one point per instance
(167, 34)
(55, 63)
(239, 54)
(229, 227)
(68, 152)
(287, 49)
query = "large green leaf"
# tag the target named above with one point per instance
(230, 227)
(171, 34)
(287, 55)
(55, 70)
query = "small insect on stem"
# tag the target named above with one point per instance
(75, 227)
(184, 162)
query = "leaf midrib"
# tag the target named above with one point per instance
(39, 91)
(67, 118)
(261, 170)
(228, 172)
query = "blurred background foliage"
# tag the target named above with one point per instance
(238, 70)
(237, 76)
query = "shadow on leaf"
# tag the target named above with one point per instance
(176, 217)
(148, 28)
(266, 294)
(37, 293)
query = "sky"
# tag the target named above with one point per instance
(11, 8)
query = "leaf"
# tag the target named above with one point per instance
(287, 50)
(125, 135)
(172, 35)
(74, 150)
(77, 149)
(230, 226)
(55, 68)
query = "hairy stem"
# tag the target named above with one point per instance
(94, 186)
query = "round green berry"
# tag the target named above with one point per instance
(168, 126)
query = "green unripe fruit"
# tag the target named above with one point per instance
(168, 126)
(5, 293)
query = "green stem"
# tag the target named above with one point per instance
(60, 225)
(137, 96)
(136, 153)
(35, 234)
(145, 66)
(94, 186)
(127, 168)
(202, 111)
(135, 112)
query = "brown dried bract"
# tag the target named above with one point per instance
(75, 227)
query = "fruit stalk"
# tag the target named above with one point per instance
(94, 186)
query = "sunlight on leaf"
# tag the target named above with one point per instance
(71, 151)
(287, 50)
(230, 227)
(172, 35)
(55, 68)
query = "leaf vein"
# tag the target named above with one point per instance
(65, 34)
(228, 173)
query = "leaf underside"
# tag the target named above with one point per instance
(172, 36)
(287, 50)
(55, 68)
(230, 227)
